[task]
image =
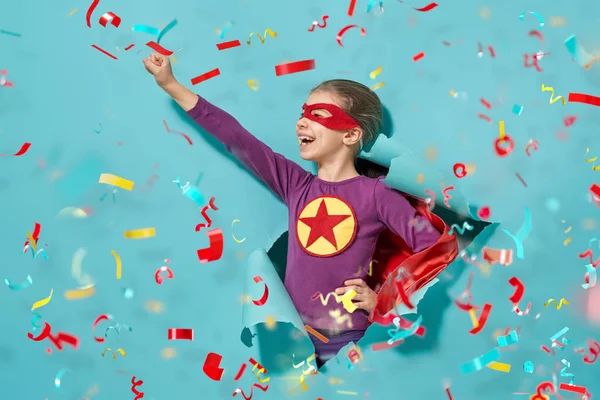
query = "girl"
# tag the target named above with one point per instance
(339, 220)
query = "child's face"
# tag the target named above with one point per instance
(318, 143)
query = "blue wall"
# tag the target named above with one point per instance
(63, 89)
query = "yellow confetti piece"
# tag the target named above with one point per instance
(32, 241)
(497, 366)
(43, 302)
(114, 353)
(142, 233)
(154, 306)
(335, 381)
(254, 84)
(118, 260)
(473, 318)
(557, 22)
(168, 353)
(174, 59)
(117, 181)
(374, 73)
(347, 301)
(420, 178)
(567, 241)
(345, 392)
(73, 11)
(81, 293)
(377, 86)
(234, 238)
(262, 39)
(72, 212)
(453, 93)
(270, 322)
(501, 129)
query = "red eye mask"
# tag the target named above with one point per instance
(338, 120)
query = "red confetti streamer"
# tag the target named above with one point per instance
(36, 233)
(532, 143)
(256, 365)
(211, 367)
(535, 64)
(104, 51)
(57, 340)
(351, 7)
(114, 19)
(519, 290)
(206, 76)
(537, 34)
(446, 195)
(584, 98)
(228, 45)
(504, 151)
(385, 345)
(594, 348)
(403, 296)
(345, 29)
(492, 52)
(158, 48)
(315, 24)
(186, 137)
(485, 103)
(484, 213)
(129, 47)
(237, 391)
(294, 67)
(103, 317)
(24, 148)
(428, 7)
(573, 388)
(211, 205)
(215, 249)
(448, 393)
(595, 190)
(240, 372)
(417, 57)
(134, 384)
(457, 167)
(181, 334)
(485, 313)
(483, 116)
(90, 11)
(542, 387)
(159, 279)
(588, 253)
(265, 296)
(569, 120)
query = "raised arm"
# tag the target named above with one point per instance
(395, 212)
(281, 175)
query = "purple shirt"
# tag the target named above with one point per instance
(333, 226)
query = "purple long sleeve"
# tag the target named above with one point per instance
(281, 175)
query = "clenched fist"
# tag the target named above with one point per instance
(160, 67)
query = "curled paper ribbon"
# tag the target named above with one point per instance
(135, 384)
(504, 151)
(215, 249)
(591, 277)
(114, 19)
(43, 302)
(460, 167)
(114, 353)
(483, 317)
(159, 278)
(398, 334)
(317, 24)
(20, 286)
(234, 238)
(264, 37)
(103, 317)
(81, 293)
(117, 328)
(345, 29)
(265, 296)
(539, 17)
(212, 369)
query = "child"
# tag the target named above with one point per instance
(335, 217)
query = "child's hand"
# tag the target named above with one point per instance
(160, 67)
(365, 298)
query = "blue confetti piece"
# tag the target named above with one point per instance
(10, 33)
(372, 2)
(478, 363)
(522, 17)
(146, 29)
(166, 29)
(23, 285)
(517, 109)
(509, 339)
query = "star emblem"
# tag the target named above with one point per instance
(326, 226)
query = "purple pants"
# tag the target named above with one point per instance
(337, 341)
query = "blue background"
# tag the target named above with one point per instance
(63, 89)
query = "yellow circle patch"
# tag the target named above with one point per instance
(326, 226)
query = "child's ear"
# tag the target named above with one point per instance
(353, 136)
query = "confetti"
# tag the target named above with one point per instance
(180, 334)
(401, 333)
(507, 340)
(521, 179)
(499, 366)
(552, 99)
(521, 234)
(20, 286)
(114, 354)
(3, 81)
(347, 301)
(541, 388)
(591, 277)
(166, 29)
(345, 29)
(377, 86)
(58, 377)
(324, 301)
(238, 391)
(135, 384)
(78, 294)
(90, 11)
(254, 84)
(186, 137)
(533, 144)
(225, 29)
(428, 7)
(232, 235)
(594, 167)
(117, 328)
(372, 2)
(501, 129)
(485, 313)
(446, 195)
(143, 233)
(10, 33)
(102, 317)
(206, 76)
(417, 57)
(114, 19)
(460, 170)
(228, 45)
(294, 67)
(317, 24)
(265, 296)
(43, 302)
(159, 49)
(146, 29)
(500, 142)
(478, 363)
(376, 72)
(212, 369)
(558, 305)
(118, 261)
(573, 388)
(104, 51)
(263, 38)
(110, 179)
(351, 7)
(584, 98)
(534, 59)
(465, 227)
(517, 109)
(316, 334)
(588, 253)
(159, 278)
(539, 17)
(24, 148)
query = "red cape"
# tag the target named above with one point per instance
(393, 254)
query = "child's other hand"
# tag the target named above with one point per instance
(160, 67)
(365, 298)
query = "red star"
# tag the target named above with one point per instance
(322, 224)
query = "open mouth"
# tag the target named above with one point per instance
(305, 140)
